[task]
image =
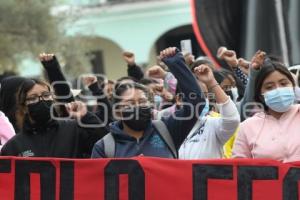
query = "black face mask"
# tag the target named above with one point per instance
(229, 93)
(137, 118)
(40, 112)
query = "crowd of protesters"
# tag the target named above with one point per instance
(182, 108)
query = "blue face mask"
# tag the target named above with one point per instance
(205, 109)
(280, 99)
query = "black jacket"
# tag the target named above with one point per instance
(63, 139)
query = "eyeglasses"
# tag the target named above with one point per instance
(36, 98)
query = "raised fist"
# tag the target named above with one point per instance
(76, 109)
(46, 57)
(229, 56)
(89, 80)
(258, 59)
(168, 52)
(156, 72)
(204, 74)
(129, 57)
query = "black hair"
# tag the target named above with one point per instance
(267, 68)
(148, 81)
(117, 96)
(26, 87)
(239, 84)
(124, 78)
(202, 61)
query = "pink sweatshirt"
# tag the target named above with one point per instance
(6, 129)
(263, 136)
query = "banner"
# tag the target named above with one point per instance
(147, 178)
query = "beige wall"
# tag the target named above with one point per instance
(114, 65)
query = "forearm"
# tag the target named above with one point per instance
(240, 75)
(58, 80)
(220, 95)
(229, 121)
(249, 93)
(104, 111)
(186, 80)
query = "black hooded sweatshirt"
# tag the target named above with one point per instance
(62, 139)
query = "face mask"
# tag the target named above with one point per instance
(138, 117)
(205, 109)
(157, 101)
(40, 112)
(280, 99)
(235, 93)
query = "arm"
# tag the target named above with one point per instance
(249, 94)
(104, 108)
(230, 118)
(184, 119)
(133, 70)
(6, 130)
(240, 75)
(90, 127)
(255, 66)
(229, 121)
(102, 100)
(54, 72)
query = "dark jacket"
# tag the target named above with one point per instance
(151, 144)
(63, 139)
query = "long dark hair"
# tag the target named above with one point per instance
(269, 67)
(27, 85)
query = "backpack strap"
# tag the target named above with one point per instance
(109, 145)
(165, 134)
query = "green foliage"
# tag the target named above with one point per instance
(26, 26)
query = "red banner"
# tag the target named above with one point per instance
(147, 178)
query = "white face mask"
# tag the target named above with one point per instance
(235, 94)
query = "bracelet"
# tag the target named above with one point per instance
(213, 86)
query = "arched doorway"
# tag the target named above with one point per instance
(173, 37)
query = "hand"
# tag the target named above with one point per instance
(89, 80)
(129, 58)
(46, 57)
(76, 109)
(166, 95)
(258, 60)
(229, 56)
(156, 72)
(168, 52)
(244, 65)
(204, 74)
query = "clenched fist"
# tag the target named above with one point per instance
(76, 109)
(156, 72)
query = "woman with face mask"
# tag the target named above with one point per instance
(273, 133)
(135, 133)
(42, 135)
(206, 139)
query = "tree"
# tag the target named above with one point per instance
(26, 28)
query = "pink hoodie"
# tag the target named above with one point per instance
(263, 136)
(6, 129)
